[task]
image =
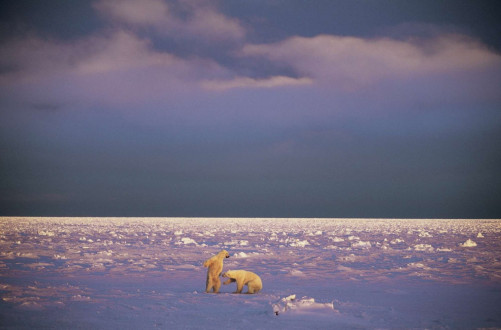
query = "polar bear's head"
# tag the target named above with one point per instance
(228, 273)
(224, 254)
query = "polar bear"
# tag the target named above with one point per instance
(215, 265)
(243, 277)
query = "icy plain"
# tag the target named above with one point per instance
(142, 273)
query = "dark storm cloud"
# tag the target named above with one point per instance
(163, 110)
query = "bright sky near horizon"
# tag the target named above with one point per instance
(240, 108)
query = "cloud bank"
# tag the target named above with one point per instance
(122, 64)
(349, 62)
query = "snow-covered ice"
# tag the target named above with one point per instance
(133, 273)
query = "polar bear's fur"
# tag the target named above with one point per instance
(243, 277)
(215, 265)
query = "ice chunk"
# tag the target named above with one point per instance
(284, 304)
(468, 243)
(423, 247)
(397, 241)
(305, 304)
(45, 233)
(296, 272)
(187, 240)
(299, 243)
(418, 265)
(361, 245)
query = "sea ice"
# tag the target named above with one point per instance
(148, 273)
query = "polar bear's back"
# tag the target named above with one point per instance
(241, 274)
(252, 280)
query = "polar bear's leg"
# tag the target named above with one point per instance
(217, 285)
(254, 286)
(208, 284)
(213, 284)
(240, 286)
(251, 286)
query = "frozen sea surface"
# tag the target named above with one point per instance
(130, 273)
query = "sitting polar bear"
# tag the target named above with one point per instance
(243, 277)
(215, 265)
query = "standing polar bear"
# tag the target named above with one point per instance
(215, 265)
(243, 277)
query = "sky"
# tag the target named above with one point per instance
(250, 108)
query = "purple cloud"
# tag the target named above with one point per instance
(121, 66)
(181, 19)
(115, 67)
(350, 63)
